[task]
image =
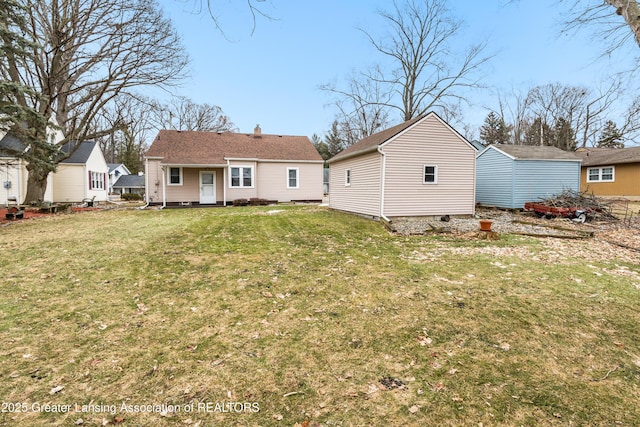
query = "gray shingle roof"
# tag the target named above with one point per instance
(535, 152)
(81, 155)
(11, 146)
(129, 181)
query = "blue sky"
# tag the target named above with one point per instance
(272, 77)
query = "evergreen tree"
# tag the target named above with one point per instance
(538, 133)
(494, 130)
(17, 114)
(321, 147)
(610, 137)
(332, 139)
(564, 137)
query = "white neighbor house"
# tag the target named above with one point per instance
(82, 176)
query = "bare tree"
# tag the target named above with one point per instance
(362, 106)
(131, 120)
(631, 128)
(183, 113)
(426, 72)
(618, 20)
(517, 111)
(85, 54)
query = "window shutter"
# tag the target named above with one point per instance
(90, 182)
(104, 181)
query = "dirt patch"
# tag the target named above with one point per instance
(591, 240)
(34, 213)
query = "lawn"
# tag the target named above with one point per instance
(285, 315)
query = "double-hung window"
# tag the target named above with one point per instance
(292, 177)
(601, 174)
(241, 176)
(347, 177)
(430, 174)
(175, 176)
(96, 180)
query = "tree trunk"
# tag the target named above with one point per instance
(36, 185)
(630, 11)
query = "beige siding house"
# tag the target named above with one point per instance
(82, 176)
(422, 167)
(211, 168)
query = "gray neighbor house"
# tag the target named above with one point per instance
(508, 176)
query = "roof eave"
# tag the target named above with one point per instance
(354, 154)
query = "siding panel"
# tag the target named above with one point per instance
(430, 142)
(627, 181)
(539, 179)
(272, 181)
(363, 195)
(494, 179)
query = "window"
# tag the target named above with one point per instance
(175, 176)
(242, 177)
(430, 174)
(292, 177)
(604, 174)
(347, 177)
(96, 180)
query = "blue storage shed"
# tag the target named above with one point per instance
(507, 176)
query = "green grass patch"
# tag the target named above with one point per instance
(278, 315)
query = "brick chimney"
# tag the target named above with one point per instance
(257, 132)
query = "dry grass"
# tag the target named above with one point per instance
(308, 315)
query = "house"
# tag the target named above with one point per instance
(129, 184)
(81, 176)
(13, 169)
(215, 168)
(507, 176)
(116, 170)
(611, 171)
(421, 167)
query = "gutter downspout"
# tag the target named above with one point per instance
(18, 179)
(384, 172)
(164, 188)
(224, 187)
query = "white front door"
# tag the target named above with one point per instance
(207, 188)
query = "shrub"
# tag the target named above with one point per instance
(240, 202)
(131, 196)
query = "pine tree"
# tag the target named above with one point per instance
(538, 133)
(335, 144)
(321, 147)
(494, 130)
(610, 137)
(18, 113)
(564, 137)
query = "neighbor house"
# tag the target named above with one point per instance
(82, 176)
(129, 184)
(216, 168)
(507, 176)
(611, 171)
(422, 167)
(13, 168)
(116, 170)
